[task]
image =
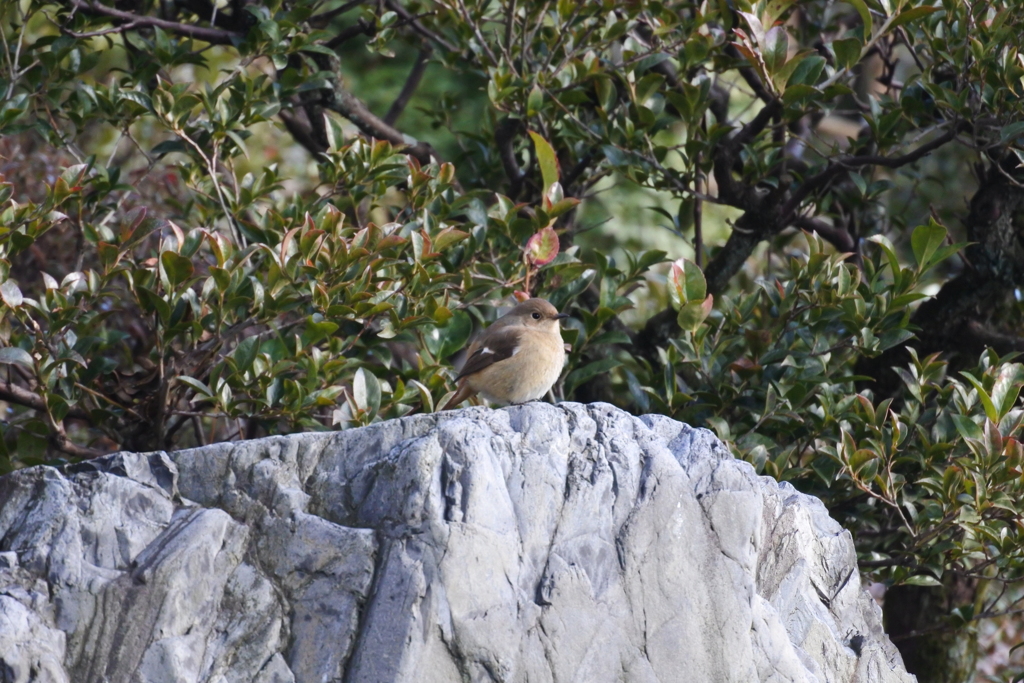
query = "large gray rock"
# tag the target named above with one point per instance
(534, 543)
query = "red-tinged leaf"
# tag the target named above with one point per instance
(448, 237)
(756, 29)
(744, 366)
(521, 296)
(132, 221)
(692, 314)
(686, 283)
(553, 195)
(546, 158)
(179, 235)
(288, 237)
(423, 244)
(708, 304)
(389, 241)
(542, 248)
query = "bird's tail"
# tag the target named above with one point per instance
(464, 392)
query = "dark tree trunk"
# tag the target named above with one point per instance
(936, 655)
(973, 311)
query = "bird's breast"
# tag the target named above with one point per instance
(528, 374)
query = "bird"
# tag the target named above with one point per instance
(517, 359)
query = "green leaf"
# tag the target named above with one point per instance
(177, 267)
(447, 238)
(535, 101)
(245, 353)
(455, 334)
(686, 283)
(990, 408)
(967, 428)
(912, 14)
(774, 9)
(776, 48)
(893, 337)
(15, 354)
(591, 370)
(865, 16)
(366, 391)
(11, 293)
(1011, 131)
(692, 314)
(847, 52)
(195, 384)
(924, 241)
(546, 159)
(648, 85)
(921, 580)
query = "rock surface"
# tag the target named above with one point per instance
(533, 543)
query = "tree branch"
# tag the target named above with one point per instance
(844, 164)
(213, 36)
(505, 135)
(361, 28)
(301, 133)
(29, 399)
(353, 109)
(411, 83)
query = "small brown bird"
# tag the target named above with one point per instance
(516, 359)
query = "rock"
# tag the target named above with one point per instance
(532, 543)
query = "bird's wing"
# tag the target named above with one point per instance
(495, 347)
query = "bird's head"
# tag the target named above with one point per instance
(536, 313)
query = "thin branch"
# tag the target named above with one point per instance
(62, 443)
(848, 163)
(361, 28)
(397, 8)
(836, 236)
(92, 34)
(698, 224)
(353, 109)
(324, 17)
(411, 84)
(214, 36)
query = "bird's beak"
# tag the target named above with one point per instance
(561, 316)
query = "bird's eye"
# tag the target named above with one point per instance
(536, 316)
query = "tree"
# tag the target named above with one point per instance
(172, 275)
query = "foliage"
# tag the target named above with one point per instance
(169, 276)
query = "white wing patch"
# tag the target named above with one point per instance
(486, 350)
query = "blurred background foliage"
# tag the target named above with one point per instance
(795, 223)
